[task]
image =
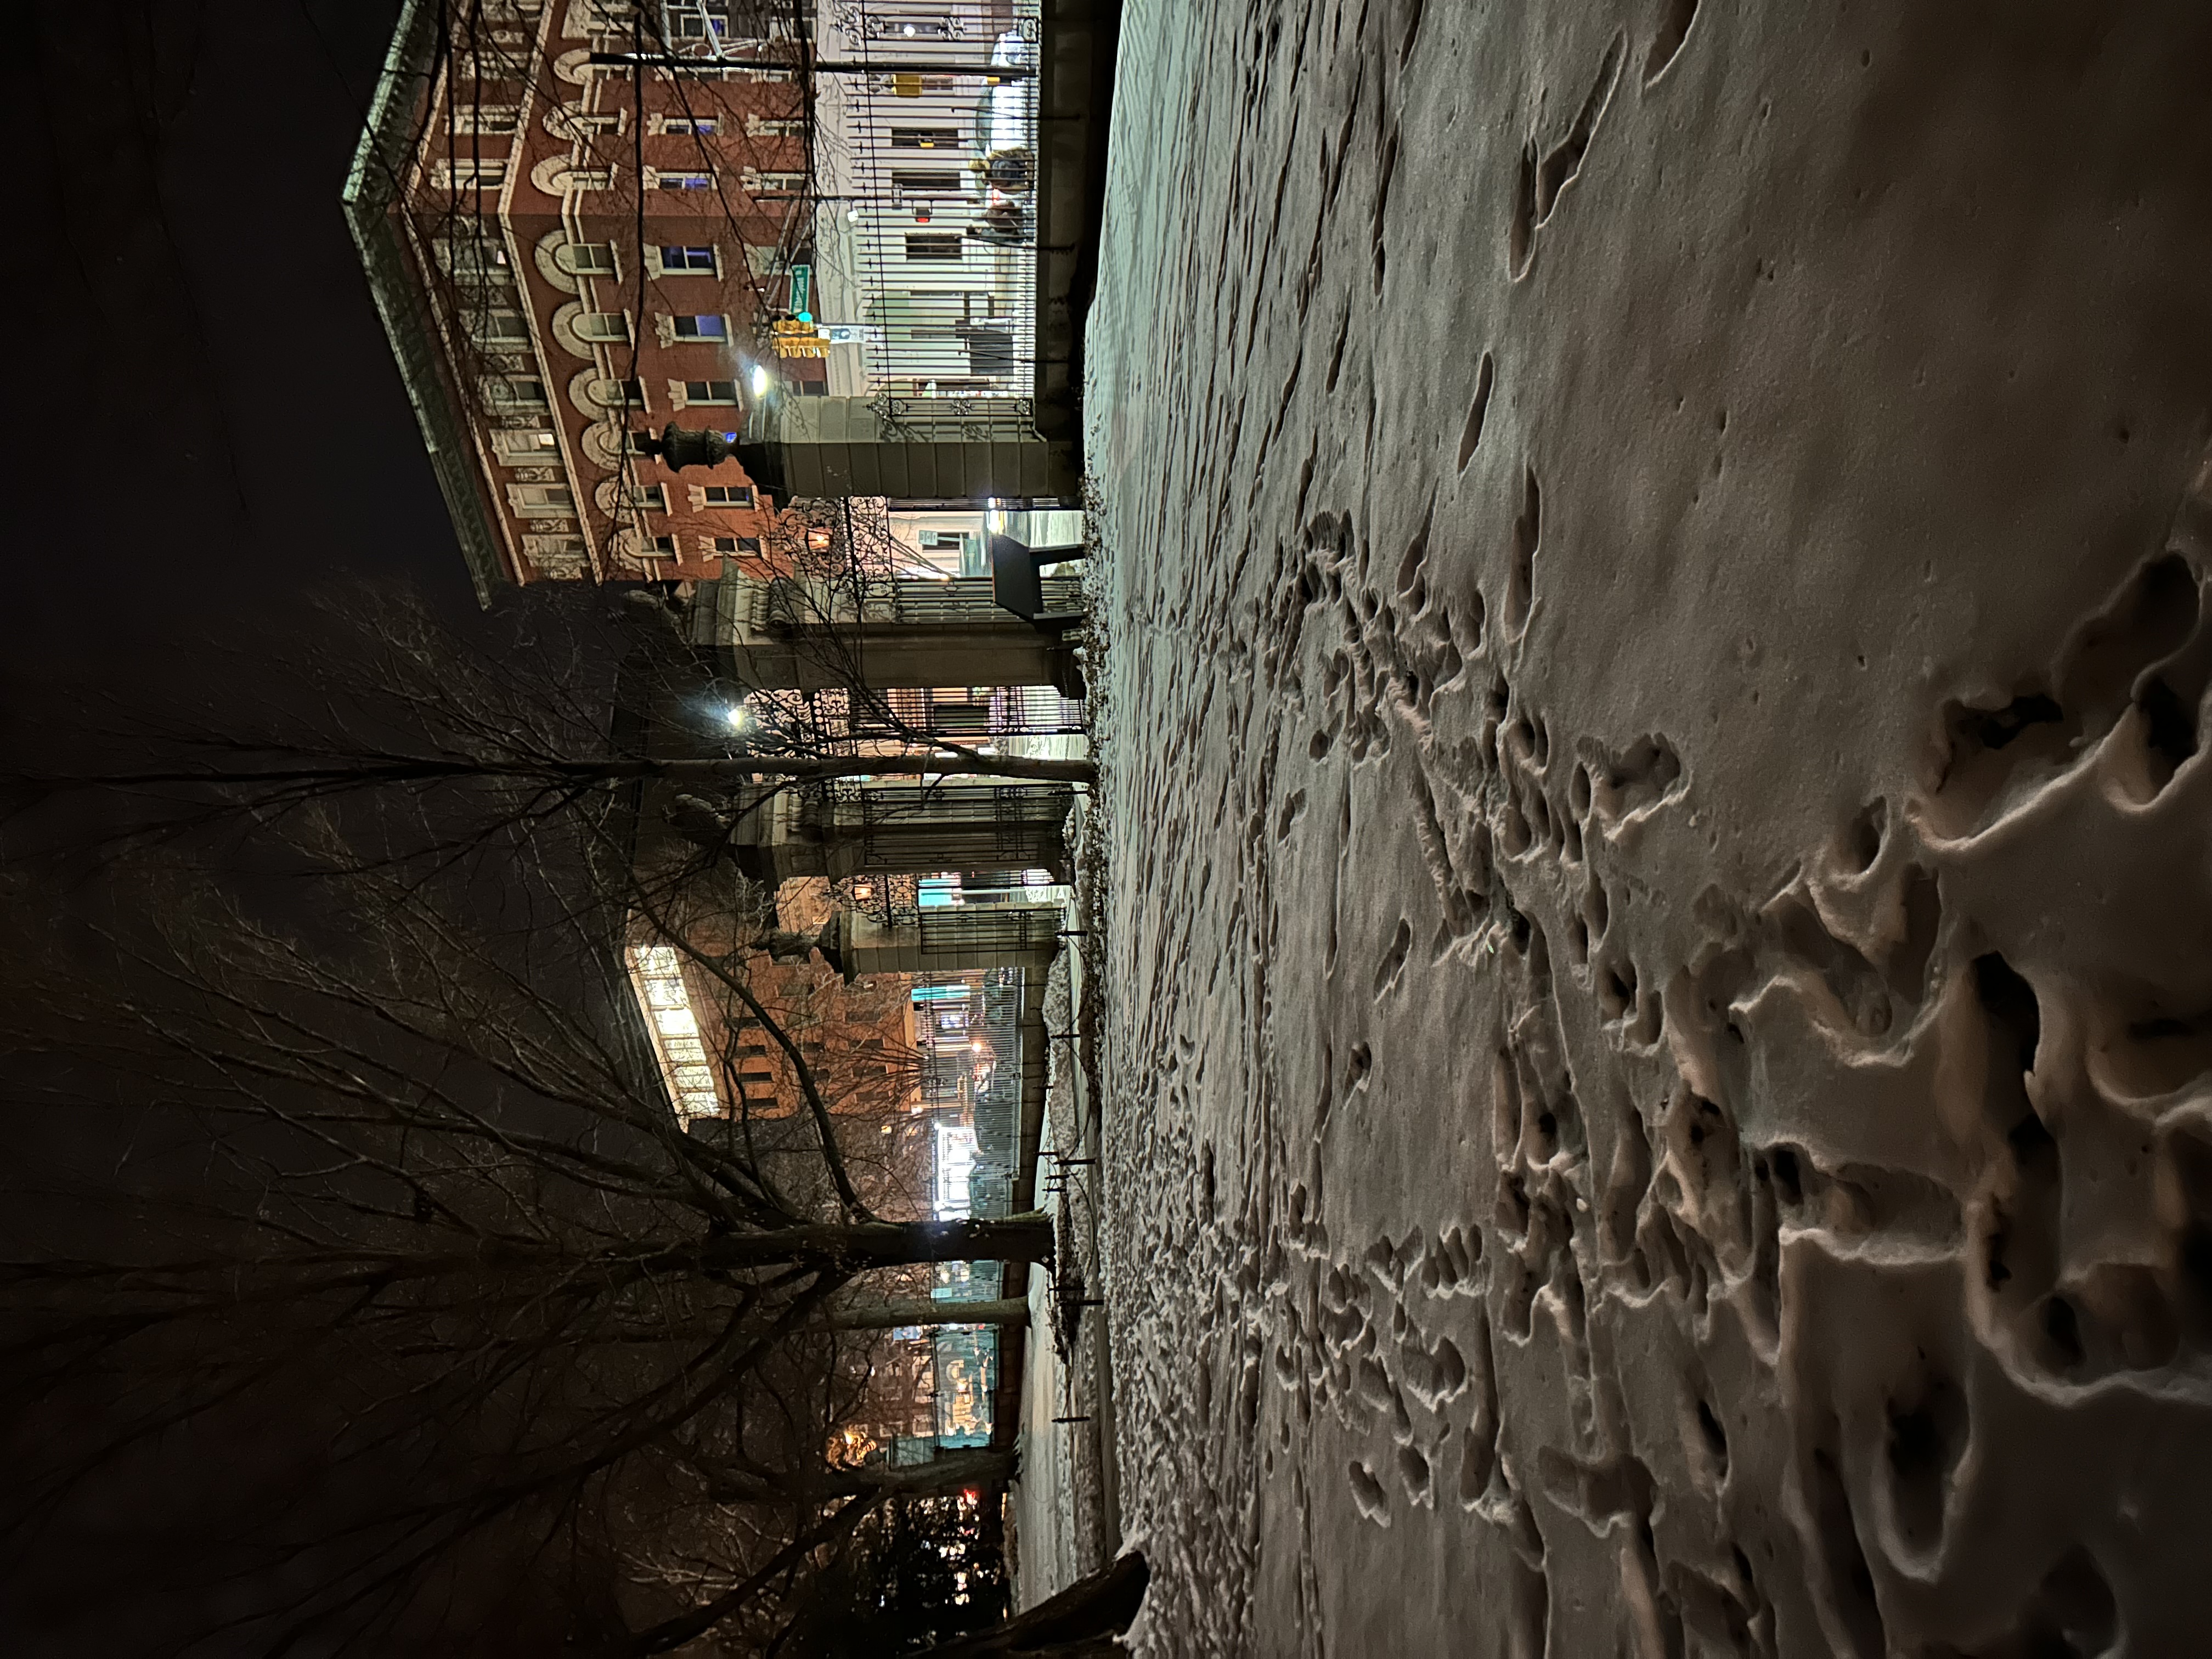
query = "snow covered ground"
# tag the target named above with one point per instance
(1661, 1013)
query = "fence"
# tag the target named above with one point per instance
(937, 219)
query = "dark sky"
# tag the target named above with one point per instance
(221, 429)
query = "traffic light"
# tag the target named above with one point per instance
(792, 338)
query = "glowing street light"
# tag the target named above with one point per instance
(758, 381)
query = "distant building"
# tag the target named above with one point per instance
(566, 254)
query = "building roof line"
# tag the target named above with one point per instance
(370, 201)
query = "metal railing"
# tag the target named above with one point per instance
(938, 225)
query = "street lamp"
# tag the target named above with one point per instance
(679, 446)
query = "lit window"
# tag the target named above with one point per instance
(656, 976)
(729, 495)
(674, 259)
(933, 247)
(710, 392)
(524, 446)
(602, 325)
(711, 20)
(702, 327)
(683, 180)
(472, 258)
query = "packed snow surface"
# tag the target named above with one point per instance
(1660, 959)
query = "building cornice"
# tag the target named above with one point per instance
(371, 202)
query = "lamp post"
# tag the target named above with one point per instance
(679, 446)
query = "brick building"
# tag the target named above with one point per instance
(567, 254)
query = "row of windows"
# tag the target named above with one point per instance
(485, 259)
(527, 392)
(501, 328)
(544, 500)
(490, 172)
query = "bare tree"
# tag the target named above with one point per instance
(436, 1187)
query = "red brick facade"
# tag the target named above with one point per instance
(601, 246)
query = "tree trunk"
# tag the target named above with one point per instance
(858, 1246)
(881, 1313)
(1081, 1621)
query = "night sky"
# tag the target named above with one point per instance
(221, 429)
(210, 431)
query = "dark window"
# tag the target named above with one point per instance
(687, 259)
(702, 328)
(729, 494)
(925, 184)
(925, 138)
(933, 247)
(710, 392)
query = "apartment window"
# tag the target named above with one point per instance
(584, 178)
(602, 326)
(702, 326)
(471, 173)
(765, 76)
(917, 183)
(776, 126)
(492, 118)
(710, 392)
(665, 180)
(660, 547)
(499, 328)
(515, 446)
(729, 495)
(676, 259)
(619, 394)
(516, 392)
(933, 247)
(925, 138)
(710, 21)
(472, 258)
(541, 500)
(588, 259)
(653, 498)
(758, 183)
(700, 126)
(574, 121)
(735, 546)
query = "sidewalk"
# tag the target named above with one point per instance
(1064, 1521)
